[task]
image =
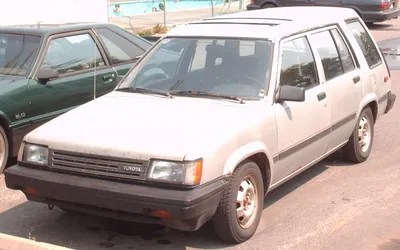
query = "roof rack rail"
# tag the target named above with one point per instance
(247, 18)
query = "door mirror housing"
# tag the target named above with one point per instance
(291, 93)
(45, 74)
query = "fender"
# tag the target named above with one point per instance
(244, 152)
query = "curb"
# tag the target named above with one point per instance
(8, 242)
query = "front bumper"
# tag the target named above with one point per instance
(380, 16)
(189, 209)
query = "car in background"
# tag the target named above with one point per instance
(46, 70)
(369, 10)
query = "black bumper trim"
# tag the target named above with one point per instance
(129, 198)
(380, 16)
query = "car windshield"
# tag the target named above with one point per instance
(224, 67)
(17, 53)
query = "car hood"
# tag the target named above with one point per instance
(142, 126)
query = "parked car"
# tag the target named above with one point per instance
(369, 10)
(243, 107)
(48, 70)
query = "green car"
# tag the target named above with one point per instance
(46, 71)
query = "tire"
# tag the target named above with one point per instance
(3, 150)
(225, 222)
(268, 5)
(353, 150)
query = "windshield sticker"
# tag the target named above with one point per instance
(166, 40)
(261, 93)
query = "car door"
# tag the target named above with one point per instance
(342, 79)
(121, 51)
(80, 65)
(372, 63)
(303, 127)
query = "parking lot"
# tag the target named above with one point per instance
(333, 205)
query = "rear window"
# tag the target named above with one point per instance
(17, 53)
(366, 44)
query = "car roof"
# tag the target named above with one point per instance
(49, 29)
(270, 23)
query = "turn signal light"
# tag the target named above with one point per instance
(29, 190)
(161, 213)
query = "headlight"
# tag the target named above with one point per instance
(187, 173)
(35, 154)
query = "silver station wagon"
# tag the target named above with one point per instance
(241, 104)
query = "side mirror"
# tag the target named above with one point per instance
(45, 74)
(291, 93)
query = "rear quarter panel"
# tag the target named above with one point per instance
(374, 87)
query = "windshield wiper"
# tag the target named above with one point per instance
(146, 91)
(200, 93)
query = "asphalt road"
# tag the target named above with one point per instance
(333, 205)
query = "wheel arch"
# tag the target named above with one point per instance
(370, 101)
(268, 2)
(256, 152)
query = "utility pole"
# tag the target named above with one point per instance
(165, 13)
(212, 8)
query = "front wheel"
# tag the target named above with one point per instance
(359, 146)
(239, 211)
(3, 150)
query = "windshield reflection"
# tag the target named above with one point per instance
(229, 67)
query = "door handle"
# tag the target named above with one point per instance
(356, 79)
(321, 96)
(108, 78)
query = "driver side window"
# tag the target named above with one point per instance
(298, 65)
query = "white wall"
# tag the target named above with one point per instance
(14, 12)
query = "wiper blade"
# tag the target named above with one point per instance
(200, 93)
(145, 91)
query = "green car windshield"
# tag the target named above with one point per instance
(230, 67)
(17, 53)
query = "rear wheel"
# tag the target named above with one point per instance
(3, 150)
(359, 146)
(239, 211)
(268, 5)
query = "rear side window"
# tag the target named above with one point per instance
(366, 43)
(335, 56)
(344, 53)
(328, 53)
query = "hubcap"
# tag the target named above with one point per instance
(364, 134)
(247, 202)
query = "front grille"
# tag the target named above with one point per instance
(95, 165)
